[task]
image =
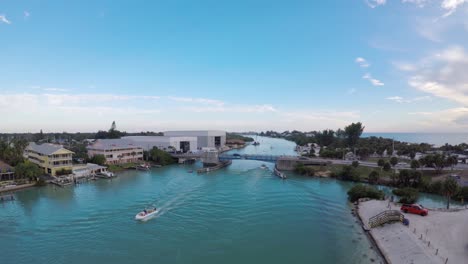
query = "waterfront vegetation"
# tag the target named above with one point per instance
(230, 136)
(404, 180)
(364, 191)
(407, 195)
(98, 159)
(121, 167)
(158, 156)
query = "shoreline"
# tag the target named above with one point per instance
(375, 243)
(17, 187)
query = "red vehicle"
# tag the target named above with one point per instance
(414, 209)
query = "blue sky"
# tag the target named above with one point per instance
(395, 65)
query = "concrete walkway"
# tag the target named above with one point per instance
(444, 233)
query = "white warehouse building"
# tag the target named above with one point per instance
(165, 143)
(205, 138)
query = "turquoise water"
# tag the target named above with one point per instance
(242, 214)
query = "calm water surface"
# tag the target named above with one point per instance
(242, 214)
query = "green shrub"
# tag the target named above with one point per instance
(463, 193)
(355, 164)
(407, 195)
(349, 173)
(364, 191)
(374, 177)
(304, 170)
(435, 187)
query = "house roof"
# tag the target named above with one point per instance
(5, 167)
(46, 148)
(119, 143)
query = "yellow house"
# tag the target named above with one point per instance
(50, 157)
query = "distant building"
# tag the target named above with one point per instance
(6, 172)
(166, 143)
(205, 138)
(116, 151)
(50, 157)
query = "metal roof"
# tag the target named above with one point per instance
(119, 143)
(46, 148)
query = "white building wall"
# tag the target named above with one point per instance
(205, 138)
(162, 142)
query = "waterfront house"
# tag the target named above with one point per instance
(51, 158)
(6, 172)
(116, 151)
(88, 169)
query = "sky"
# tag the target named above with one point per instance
(244, 65)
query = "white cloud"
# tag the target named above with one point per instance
(375, 3)
(352, 91)
(405, 66)
(231, 109)
(3, 19)
(451, 6)
(362, 62)
(55, 89)
(373, 81)
(443, 74)
(400, 99)
(197, 100)
(26, 14)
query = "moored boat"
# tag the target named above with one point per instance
(143, 167)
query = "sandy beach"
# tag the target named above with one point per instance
(434, 238)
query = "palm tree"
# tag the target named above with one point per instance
(450, 188)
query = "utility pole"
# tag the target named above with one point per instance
(393, 146)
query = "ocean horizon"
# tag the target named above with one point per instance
(437, 139)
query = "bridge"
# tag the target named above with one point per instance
(267, 158)
(282, 162)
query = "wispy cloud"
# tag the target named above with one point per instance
(205, 101)
(373, 81)
(3, 19)
(26, 14)
(375, 3)
(55, 89)
(362, 62)
(451, 6)
(401, 100)
(405, 66)
(443, 74)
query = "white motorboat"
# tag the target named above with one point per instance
(263, 166)
(143, 167)
(146, 214)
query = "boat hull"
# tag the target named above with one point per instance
(141, 217)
